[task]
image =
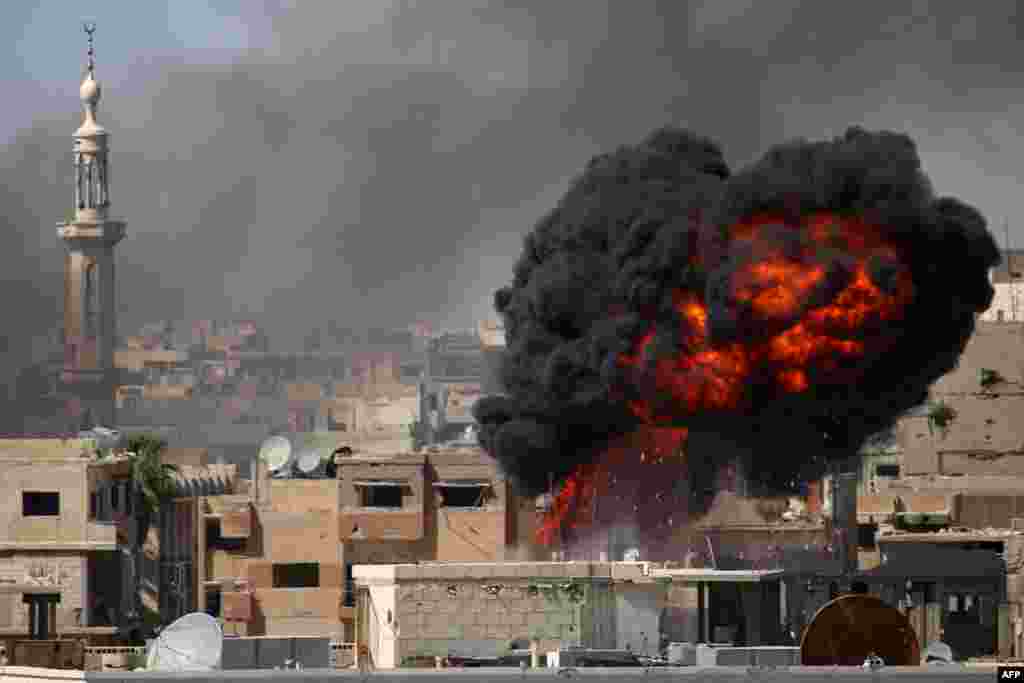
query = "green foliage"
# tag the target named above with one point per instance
(152, 478)
(418, 434)
(988, 378)
(135, 661)
(941, 415)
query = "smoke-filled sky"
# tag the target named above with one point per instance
(378, 161)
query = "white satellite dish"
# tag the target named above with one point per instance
(276, 453)
(308, 461)
(104, 438)
(194, 642)
(938, 652)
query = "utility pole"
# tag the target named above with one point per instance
(1009, 270)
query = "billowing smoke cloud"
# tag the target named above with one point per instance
(781, 315)
(374, 161)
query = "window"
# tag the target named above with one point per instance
(866, 535)
(350, 587)
(462, 495)
(963, 608)
(213, 605)
(297, 575)
(40, 504)
(381, 495)
(217, 542)
(115, 496)
(887, 471)
(91, 298)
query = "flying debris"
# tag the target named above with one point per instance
(669, 319)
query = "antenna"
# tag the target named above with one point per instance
(90, 27)
(276, 454)
(194, 642)
(309, 461)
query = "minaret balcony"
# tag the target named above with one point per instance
(108, 232)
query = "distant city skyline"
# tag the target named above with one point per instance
(381, 161)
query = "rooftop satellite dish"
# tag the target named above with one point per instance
(308, 461)
(852, 627)
(276, 453)
(104, 438)
(192, 643)
(938, 652)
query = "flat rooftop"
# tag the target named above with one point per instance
(951, 673)
(616, 571)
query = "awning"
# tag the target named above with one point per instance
(462, 484)
(379, 483)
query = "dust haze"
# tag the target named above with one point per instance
(379, 162)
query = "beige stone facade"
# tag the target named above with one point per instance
(435, 609)
(50, 542)
(441, 505)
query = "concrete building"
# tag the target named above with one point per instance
(52, 550)
(410, 611)
(1008, 281)
(941, 535)
(285, 565)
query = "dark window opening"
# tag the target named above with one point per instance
(297, 575)
(963, 609)
(115, 496)
(350, 587)
(93, 507)
(215, 541)
(887, 471)
(462, 496)
(213, 603)
(40, 504)
(866, 535)
(382, 496)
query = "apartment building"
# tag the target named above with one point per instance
(54, 552)
(278, 560)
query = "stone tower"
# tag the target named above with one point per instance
(90, 312)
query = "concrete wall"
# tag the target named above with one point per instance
(63, 571)
(475, 622)
(734, 673)
(66, 478)
(986, 424)
(478, 609)
(638, 617)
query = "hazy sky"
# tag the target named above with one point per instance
(374, 162)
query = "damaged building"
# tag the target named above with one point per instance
(941, 506)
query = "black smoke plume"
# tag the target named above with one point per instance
(647, 224)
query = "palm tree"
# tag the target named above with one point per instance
(152, 483)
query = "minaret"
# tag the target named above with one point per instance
(90, 313)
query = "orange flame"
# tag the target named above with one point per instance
(777, 286)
